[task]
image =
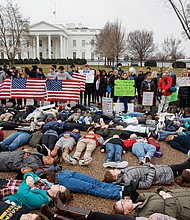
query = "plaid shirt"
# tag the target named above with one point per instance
(13, 185)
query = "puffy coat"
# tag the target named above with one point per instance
(147, 176)
(165, 84)
(183, 92)
(177, 206)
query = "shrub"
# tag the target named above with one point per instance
(179, 64)
(151, 63)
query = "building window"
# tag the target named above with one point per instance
(74, 55)
(40, 43)
(51, 43)
(83, 55)
(92, 42)
(74, 43)
(41, 55)
(2, 55)
(19, 55)
(92, 55)
(83, 43)
(27, 43)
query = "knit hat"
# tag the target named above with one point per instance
(133, 136)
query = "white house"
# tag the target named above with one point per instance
(57, 41)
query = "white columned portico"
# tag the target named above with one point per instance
(49, 46)
(37, 47)
(61, 46)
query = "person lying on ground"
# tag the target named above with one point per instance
(62, 212)
(149, 175)
(32, 198)
(174, 203)
(15, 160)
(114, 148)
(88, 142)
(179, 142)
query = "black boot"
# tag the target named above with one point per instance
(50, 213)
(69, 211)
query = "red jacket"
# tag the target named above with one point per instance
(165, 84)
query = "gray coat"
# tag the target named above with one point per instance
(147, 176)
(13, 160)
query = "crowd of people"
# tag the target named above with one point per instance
(72, 134)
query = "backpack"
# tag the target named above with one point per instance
(35, 138)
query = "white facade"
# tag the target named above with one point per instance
(50, 41)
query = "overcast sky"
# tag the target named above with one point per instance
(152, 15)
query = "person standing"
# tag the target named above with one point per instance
(2, 78)
(113, 77)
(163, 87)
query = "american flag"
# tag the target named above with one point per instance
(82, 79)
(5, 88)
(31, 88)
(62, 90)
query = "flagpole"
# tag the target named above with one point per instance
(54, 12)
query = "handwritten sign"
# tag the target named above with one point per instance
(147, 99)
(124, 88)
(183, 81)
(89, 75)
(107, 106)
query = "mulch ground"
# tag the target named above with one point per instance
(95, 169)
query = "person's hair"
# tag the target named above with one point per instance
(40, 69)
(19, 175)
(51, 67)
(61, 68)
(183, 179)
(72, 65)
(1, 68)
(148, 68)
(108, 177)
(167, 138)
(115, 211)
(66, 196)
(40, 217)
(90, 129)
(54, 66)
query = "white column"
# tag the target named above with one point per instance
(67, 46)
(61, 46)
(37, 47)
(49, 46)
(64, 47)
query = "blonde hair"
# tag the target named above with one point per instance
(153, 74)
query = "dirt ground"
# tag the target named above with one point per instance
(95, 169)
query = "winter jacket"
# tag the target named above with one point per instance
(180, 142)
(165, 84)
(2, 76)
(13, 160)
(101, 87)
(11, 212)
(27, 197)
(184, 92)
(147, 176)
(139, 80)
(148, 85)
(63, 76)
(177, 206)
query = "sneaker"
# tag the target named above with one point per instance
(158, 154)
(141, 162)
(85, 161)
(73, 161)
(188, 154)
(147, 159)
(121, 165)
(66, 157)
(109, 164)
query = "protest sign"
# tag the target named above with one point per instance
(107, 106)
(147, 99)
(183, 81)
(124, 88)
(89, 75)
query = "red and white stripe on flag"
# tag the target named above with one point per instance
(5, 89)
(29, 88)
(68, 91)
(82, 78)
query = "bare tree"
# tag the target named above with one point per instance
(111, 42)
(182, 10)
(14, 31)
(171, 48)
(140, 44)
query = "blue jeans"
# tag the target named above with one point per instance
(114, 151)
(141, 150)
(80, 183)
(16, 140)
